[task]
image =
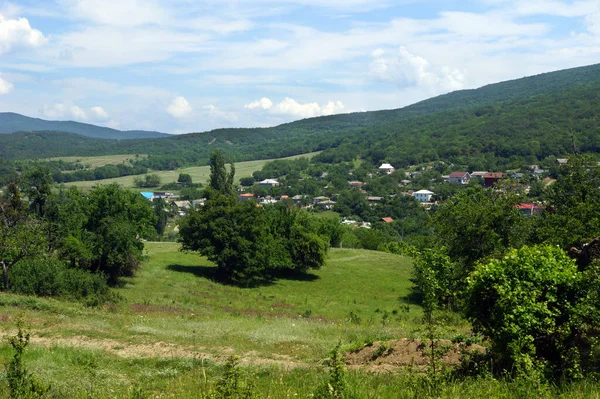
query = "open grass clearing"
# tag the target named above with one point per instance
(200, 174)
(175, 327)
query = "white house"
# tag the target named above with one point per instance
(269, 182)
(423, 195)
(387, 168)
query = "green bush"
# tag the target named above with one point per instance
(48, 277)
(540, 312)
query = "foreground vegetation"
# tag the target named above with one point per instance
(174, 329)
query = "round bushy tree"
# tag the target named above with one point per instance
(538, 310)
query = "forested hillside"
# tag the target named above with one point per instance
(527, 119)
(11, 122)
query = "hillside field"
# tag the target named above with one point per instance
(173, 330)
(200, 174)
(171, 314)
(101, 160)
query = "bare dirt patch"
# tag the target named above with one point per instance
(389, 355)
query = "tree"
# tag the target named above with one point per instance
(21, 235)
(572, 218)
(117, 219)
(220, 180)
(184, 179)
(158, 206)
(249, 243)
(229, 233)
(247, 181)
(538, 310)
(477, 223)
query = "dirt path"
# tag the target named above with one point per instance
(160, 350)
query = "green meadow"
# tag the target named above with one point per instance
(200, 174)
(173, 329)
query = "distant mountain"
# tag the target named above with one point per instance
(11, 122)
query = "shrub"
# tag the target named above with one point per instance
(48, 277)
(539, 311)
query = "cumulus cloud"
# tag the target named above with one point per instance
(407, 69)
(5, 86)
(64, 111)
(263, 103)
(291, 107)
(179, 108)
(18, 33)
(98, 113)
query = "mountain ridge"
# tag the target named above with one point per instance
(12, 122)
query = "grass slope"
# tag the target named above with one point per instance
(200, 174)
(174, 329)
(101, 160)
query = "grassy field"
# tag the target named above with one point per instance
(200, 174)
(97, 161)
(174, 328)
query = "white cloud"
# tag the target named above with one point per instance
(179, 108)
(117, 12)
(64, 111)
(5, 86)
(291, 107)
(18, 33)
(593, 23)
(98, 113)
(407, 69)
(214, 113)
(263, 103)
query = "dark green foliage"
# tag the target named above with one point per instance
(48, 277)
(21, 382)
(148, 181)
(496, 126)
(184, 179)
(21, 235)
(159, 207)
(477, 223)
(229, 234)
(220, 181)
(573, 202)
(248, 243)
(246, 181)
(116, 220)
(539, 311)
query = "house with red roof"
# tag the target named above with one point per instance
(459, 177)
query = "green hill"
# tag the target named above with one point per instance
(11, 122)
(533, 118)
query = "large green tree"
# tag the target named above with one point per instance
(21, 235)
(117, 220)
(572, 216)
(477, 223)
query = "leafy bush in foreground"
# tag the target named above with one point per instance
(540, 312)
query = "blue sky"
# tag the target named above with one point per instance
(189, 65)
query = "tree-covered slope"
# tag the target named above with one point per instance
(11, 122)
(529, 117)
